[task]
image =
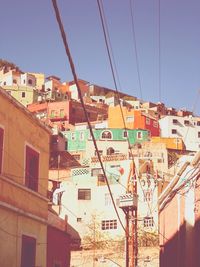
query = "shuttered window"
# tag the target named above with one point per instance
(32, 168)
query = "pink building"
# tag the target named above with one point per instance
(179, 215)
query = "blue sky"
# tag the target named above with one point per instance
(30, 38)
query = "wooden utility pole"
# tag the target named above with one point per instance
(128, 203)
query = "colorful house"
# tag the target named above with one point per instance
(79, 140)
(133, 119)
(24, 161)
(62, 113)
(187, 128)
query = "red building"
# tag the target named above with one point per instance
(58, 242)
(66, 112)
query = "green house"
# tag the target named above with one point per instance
(76, 140)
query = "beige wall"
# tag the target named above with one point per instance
(22, 211)
(10, 239)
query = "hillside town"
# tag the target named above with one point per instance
(64, 203)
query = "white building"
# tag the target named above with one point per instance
(187, 128)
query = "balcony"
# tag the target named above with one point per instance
(114, 157)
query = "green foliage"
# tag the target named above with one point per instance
(147, 239)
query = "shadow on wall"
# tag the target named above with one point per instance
(75, 238)
(183, 249)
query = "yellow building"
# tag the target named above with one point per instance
(171, 143)
(40, 79)
(24, 94)
(24, 160)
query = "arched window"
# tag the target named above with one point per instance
(106, 135)
(110, 151)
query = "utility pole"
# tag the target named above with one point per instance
(128, 203)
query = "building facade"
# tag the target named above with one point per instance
(24, 156)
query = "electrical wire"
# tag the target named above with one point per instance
(67, 50)
(131, 2)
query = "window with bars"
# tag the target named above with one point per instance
(148, 195)
(84, 194)
(148, 222)
(108, 224)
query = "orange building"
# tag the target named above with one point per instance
(133, 119)
(24, 163)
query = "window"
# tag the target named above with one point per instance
(129, 119)
(110, 151)
(106, 135)
(14, 81)
(81, 136)
(73, 136)
(4, 83)
(155, 124)
(62, 114)
(174, 131)
(148, 222)
(148, 195)
(28, 252)
(186, 122)
(23, 94)
(79, 219)
(101, 179)
(32, 168)
(198, 134)
(198, 123)
(30, 81)
(73, 110)
(125, 134)
(96, 171)
(84, 194)
(100, 152)
(108, 224)
(52, 113)
(139, 135)
(24, 81)
(1, 148)
(147, 121)
(107, 199)
(174, 121)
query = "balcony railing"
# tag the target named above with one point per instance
(114, 157)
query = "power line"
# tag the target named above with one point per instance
(131, 2)
(67, 50)
(159, 53)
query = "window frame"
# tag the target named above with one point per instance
(31, 155)
(25, 257)
(139, 132)
(84, 194)
(108, 135)
(108, 224)
(148, 222)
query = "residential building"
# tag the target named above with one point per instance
(63, 113)
(24, 161)
(179, 216)
(187, 128)
(109, 141)
(133, 119)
